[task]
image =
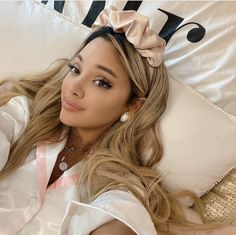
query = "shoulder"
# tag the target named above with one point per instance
(17, 107)
(15, 115)
(19, 100)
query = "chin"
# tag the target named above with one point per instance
(64, 119)
(67, 120)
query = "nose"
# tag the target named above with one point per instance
(77, 88)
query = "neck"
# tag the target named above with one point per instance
(82, 139)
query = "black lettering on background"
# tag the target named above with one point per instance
(168, 30)
(58, 5)
(195, 34)
(171, 27)
(94, 10)
(132, 5)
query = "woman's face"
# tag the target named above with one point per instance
(96, 91)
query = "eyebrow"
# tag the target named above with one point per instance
(101, 67)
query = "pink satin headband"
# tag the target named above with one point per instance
(137, 31)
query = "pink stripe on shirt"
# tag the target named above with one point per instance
(64, 182)
(42, 170)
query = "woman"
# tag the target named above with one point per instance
(74, 140)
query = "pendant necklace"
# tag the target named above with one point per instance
(64, 165)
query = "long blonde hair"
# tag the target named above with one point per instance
(119, 158)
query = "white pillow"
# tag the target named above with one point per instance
(34, 36)
(199, 138)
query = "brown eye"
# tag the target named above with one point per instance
(103, 83)
(74, 69)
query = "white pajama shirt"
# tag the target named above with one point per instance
(28, 207)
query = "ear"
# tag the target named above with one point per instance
(137, 104)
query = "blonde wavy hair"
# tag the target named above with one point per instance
(117, 159)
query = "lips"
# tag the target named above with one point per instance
(70, 105)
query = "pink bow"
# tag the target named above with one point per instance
(137, 31)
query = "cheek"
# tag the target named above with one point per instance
(109, 105)
(64, 85)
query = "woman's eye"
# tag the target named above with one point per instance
(73, 69)
(103, 83)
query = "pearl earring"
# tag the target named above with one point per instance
(124, 117)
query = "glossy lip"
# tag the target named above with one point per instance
(71, 106)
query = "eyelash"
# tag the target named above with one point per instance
(105, 84)
(77, 71)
